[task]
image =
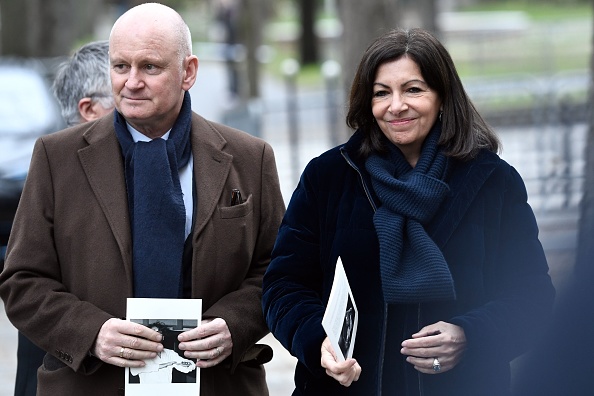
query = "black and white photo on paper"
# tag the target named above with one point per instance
(348, 325)
(170, 365)
(341, 317)
(170, 372)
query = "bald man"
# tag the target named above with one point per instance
(138, 204)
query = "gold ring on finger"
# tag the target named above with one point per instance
(122, 352)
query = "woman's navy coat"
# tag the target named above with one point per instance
(489, 237)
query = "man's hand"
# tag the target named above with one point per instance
(344, 372)
(126, 344)
(210, 342)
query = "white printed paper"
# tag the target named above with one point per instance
(170, 373)
(341, 316)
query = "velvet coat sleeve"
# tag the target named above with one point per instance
(515, 286)
(293, 286)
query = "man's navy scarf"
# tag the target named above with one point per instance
(412, 267)
(156, 206)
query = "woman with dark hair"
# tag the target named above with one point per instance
(434, 231)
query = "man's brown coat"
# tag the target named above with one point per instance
(69, 266)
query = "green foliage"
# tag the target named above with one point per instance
(555, 39)
(538, 10)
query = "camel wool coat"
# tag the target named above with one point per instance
(68, 267)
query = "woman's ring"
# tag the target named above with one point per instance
(218, 351)
(436, 365)
(122, 352)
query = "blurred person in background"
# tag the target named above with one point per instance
(227, 15)
(83, 90)
(82, 86)
(434, 231)
(137, 204)
(562, 362)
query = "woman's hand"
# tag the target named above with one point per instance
(344, 372)
(442, 341)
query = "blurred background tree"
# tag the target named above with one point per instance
(50, 28)
(308, 44)
(45, 28)
(360, 23)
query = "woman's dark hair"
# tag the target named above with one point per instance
(464, 131)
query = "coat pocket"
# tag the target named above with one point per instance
(241, 210)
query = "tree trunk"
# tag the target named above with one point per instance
(251, 37)
(45, 28)
(418, 13)
(363, 21)
(308, 41)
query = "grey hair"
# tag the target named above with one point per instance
(85, 74)
(185, 46)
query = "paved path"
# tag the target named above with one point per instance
(8, 343)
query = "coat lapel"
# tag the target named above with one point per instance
(467, 179)
(103, 164)
(211, 168)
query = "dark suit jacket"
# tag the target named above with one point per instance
(69, 266)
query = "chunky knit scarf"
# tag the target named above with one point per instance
(412, 267)
(155, 200)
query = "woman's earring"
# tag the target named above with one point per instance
(440, 114)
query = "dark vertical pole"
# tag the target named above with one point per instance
(308, 43)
